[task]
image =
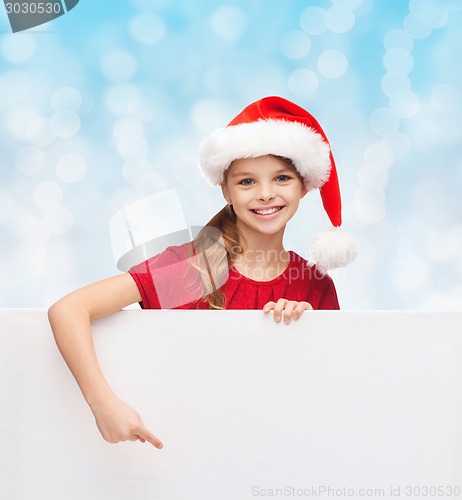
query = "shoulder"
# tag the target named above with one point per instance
(167, 280)
(317, 287)
(297, 260)
(168, 256)
(171, 256)
(308, 270)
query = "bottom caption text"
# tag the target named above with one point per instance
(391, 491)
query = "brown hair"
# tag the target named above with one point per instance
(213, 250)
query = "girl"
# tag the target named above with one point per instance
(265, 160)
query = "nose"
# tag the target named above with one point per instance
(265, 192)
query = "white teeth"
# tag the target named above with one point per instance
(267, 211)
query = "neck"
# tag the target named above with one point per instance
(264, 256)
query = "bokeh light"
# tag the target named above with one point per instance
(15, 87)
(399, 144)
(60, 263)
(135, 170)
(132, 146)
(443, 244)
(332, 63)
(65, 123)
(30, 160)
(33, 231)
(405, 103)
(313, 20)
(229, 22)
(423, 134)
(398, 38)
(18, 49)
(303, 83)
(18, 119)
(379, 154)
(66, 98)
(208, 115)
(392, 83)
(120, 97)
(350, 4)
(370, 205)
(40, 131)
(7, 206)
(339, 19)
(384, 121)
(397, 60)
(47, 195)
(413, 274)
(147, 28)
(295, 44)
(71, 167)
(373, 176)
(127, 125)
(416, 28)
(119, 65)
(445, 98)
(431, 13)
(58, 220)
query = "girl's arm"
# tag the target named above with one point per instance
(70, 320)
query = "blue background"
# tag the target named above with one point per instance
(108, 103)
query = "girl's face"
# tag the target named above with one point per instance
(265, 193)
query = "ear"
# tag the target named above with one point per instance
(225, 191)
(304, 190)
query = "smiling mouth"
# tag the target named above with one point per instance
(266, 211)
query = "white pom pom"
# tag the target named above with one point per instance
(333, 248)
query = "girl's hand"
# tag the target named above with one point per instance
(291, 308)
(117, 421)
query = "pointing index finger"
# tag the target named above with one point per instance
(146, 435)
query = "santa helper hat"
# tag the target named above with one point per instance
(276, 126)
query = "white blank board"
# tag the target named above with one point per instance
(367, 404)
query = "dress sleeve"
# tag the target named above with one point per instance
(155, 277)
(168, 280)
(145, 283)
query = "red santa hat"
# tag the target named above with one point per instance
(276, 126)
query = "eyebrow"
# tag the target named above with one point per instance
(250, 174)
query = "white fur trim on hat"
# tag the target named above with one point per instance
(303, 145)
(333, 248)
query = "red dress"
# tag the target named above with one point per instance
(169, 281)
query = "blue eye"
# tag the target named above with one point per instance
(246, 182)
(282, 178)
